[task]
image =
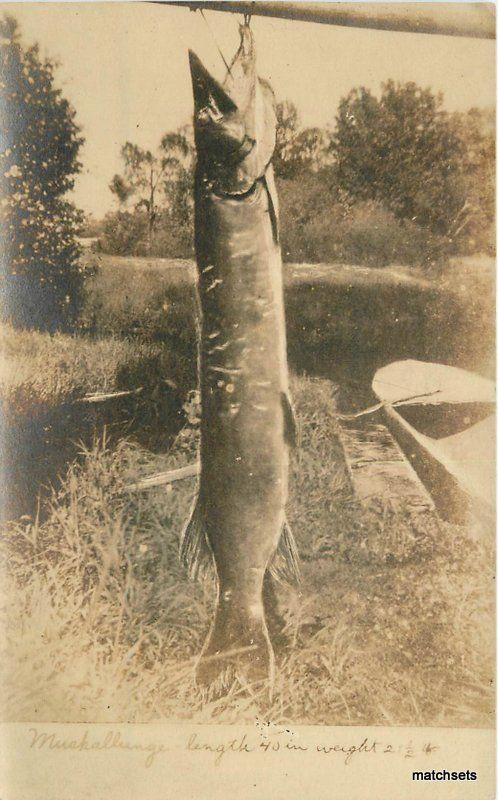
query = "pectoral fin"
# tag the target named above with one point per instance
(195, 551)
(290, 423)
(285, 563)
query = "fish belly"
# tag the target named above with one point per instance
(244, 455)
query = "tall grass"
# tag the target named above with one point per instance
(342, 321)
(42, 381)
(39, 369)
(393, 623)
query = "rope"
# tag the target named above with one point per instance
(216, 41)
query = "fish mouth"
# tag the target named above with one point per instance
(234, 121)
(219, 127)
(208, 92)
(237, 90)
(223, 112)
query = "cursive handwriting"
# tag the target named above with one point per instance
(113, 740)
(233, 746)
(268, 740)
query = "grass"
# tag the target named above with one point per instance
(43, 370)
(343, 322)
(44, 377)
(393, 623)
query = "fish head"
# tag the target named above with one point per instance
(234, 121)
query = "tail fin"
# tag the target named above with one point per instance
(195, 550)
(285, 563)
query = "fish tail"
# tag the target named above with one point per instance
(285, 564)
(195, 551)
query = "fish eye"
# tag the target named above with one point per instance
(213, 110)
(208, 115)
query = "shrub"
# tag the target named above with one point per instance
(318, 227)
(38, 161)
(124, 233)
(372, 235)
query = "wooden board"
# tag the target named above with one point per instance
(378, 469)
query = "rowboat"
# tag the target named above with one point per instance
(444, 419)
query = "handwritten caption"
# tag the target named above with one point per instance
(266, 739)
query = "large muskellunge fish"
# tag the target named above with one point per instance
(247, 423)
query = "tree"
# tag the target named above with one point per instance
(38, 162)
(151, 179)
(177, 220)
(142, 173)
(161, 186)
(297, 150)
(401, 150)
(472, 226)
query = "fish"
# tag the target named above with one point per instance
(248, 427)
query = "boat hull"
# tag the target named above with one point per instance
(443, 418)
(451, 501)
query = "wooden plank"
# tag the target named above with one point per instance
(378, 468)
(161, 478)
(101, 397)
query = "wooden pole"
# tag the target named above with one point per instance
(476, 20)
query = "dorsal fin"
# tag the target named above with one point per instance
(290, 424)
(271, 190)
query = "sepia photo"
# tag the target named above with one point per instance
(248, 355)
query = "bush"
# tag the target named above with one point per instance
(372, 235)
(317, 227)
(173, 238)
(124, 233)
(43, 280)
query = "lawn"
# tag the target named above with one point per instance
(393, 622)
(343, 322)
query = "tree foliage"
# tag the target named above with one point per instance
(398, 181)
(472, 225)
(400, 150)
(177, 220)
(157, 182)
(297, 150)
(38, 162)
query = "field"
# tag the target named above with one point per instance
(393, 621)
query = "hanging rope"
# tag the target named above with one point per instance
(216, 41)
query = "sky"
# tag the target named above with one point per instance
(124, 67)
